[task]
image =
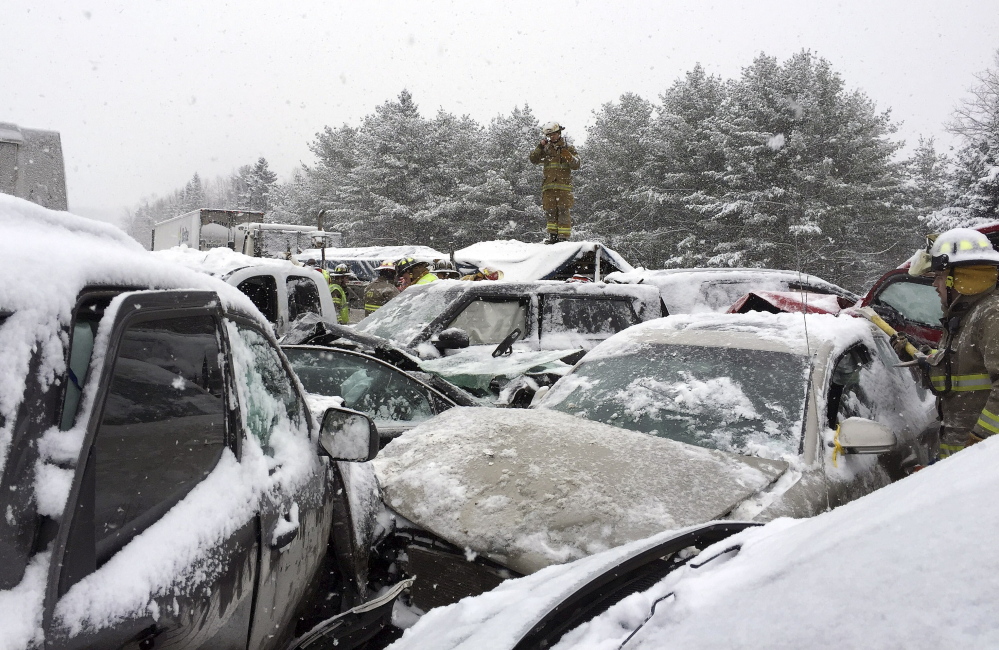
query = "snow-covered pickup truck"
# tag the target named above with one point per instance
(283, 291)
(162, 481)
(483, 335)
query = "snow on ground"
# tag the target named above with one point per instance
(908, 566)
(522, 261)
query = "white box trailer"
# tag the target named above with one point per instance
(201, 229)
(240, 230)
(31, 166)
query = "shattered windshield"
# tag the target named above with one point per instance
(732, 399)
(405, 316)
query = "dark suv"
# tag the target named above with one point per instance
(162, 482)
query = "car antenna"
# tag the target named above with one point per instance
(804, 295)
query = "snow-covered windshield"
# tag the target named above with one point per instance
(732, 399)
(405, 316)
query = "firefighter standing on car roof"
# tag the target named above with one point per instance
(338, 291)
(382, 289)
(559, 158)
(410, 272)
(964, 372)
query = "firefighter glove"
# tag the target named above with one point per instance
(898, 343)
(972, 439)
(566, 154)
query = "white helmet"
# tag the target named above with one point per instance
(552, 127)
(962, 247)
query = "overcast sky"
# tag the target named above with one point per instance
(147, 93)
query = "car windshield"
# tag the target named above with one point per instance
(732, 399)
(406, 315)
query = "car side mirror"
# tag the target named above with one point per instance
(453, 338)
(863, 436)
(348, 436)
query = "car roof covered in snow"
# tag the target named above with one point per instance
(716, 289)
(792, 333)
(219, 261)
(523, 261)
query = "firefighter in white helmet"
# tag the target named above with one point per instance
(559, 159)
(964, 372)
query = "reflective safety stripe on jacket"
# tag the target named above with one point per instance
(962, 383)
(557, 170)
(340, 302)
(427, 279)
(964, 372)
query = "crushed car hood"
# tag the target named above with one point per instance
(475, 367)
(531, 488)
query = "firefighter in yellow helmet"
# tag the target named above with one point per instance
(382, 289)
(964, 372)
(338, 291)
(559, 159)
(411, 272)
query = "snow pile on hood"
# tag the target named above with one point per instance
(529, 488)
(521, 261)
(875, 573)
(216, 261)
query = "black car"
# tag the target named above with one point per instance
(162, 481)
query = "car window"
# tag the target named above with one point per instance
(384, 393)
(848, 392)
(262, 291)
(303, 297)
(266, 392)
(732, 399)
(162, 428)
(586, 315)
(915, 301)
(488, 322)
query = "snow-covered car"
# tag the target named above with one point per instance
(692, 291)
(874, 573)
(752, 417)
(508, 328)
(396, 400)
(282, 291)
(162, 482)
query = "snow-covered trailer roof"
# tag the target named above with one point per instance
(218, 261)
(365, 259)
(521, 261)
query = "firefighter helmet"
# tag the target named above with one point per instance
(386, 265)
(962, 247)
(552, 128)
(407, 264)
(341, 269)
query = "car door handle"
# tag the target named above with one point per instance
(285, 530)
